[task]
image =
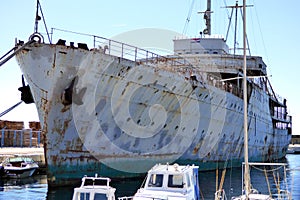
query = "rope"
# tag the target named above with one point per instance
(222, 179)
(266, 175)
(277, 182)
(271, 170)
(11, 108)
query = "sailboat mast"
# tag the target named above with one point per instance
(247, 172)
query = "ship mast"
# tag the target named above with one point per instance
(207, 17)
(247, 172)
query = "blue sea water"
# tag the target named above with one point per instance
(35, 188)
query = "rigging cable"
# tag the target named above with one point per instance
(246, 36)
(188, 18)
(37, 18)
(10, 109)
(262, 38)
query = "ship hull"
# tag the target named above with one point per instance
(108, 115)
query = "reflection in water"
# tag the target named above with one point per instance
(36, 187)
(26, 188)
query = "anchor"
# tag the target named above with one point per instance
(26, 94)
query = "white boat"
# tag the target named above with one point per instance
(169, 182)
(279, 181)
(18, 167)
(93, 188)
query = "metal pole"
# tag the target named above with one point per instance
(246, 175)
(235, 28)
(36, 17)
(30, 136)
(2, 138)
(209, 17)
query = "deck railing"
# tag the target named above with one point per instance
(119, 49)
(21, 138)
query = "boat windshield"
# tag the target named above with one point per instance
(175, 181)
(20, 159)
(98, 196)
(156, 180)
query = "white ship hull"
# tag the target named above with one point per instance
(126, 116)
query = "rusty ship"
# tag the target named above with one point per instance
(117, 110)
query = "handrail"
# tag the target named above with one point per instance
(126, 51)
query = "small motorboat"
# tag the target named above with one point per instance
(18, 167)
(93, 188)
(169, 182)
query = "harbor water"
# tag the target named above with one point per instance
(36, 186)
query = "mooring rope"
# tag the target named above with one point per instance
(270, 170)
(10, 109)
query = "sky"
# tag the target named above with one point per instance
(272, 27)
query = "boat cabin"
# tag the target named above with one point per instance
(170, 181)
(206, 45)
(93, 188)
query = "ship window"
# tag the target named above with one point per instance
(175, 181)
(156, 180)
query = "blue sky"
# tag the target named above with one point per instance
(273, 31)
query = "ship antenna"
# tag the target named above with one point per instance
(235, 8)
(38, 18)
(207, 18)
